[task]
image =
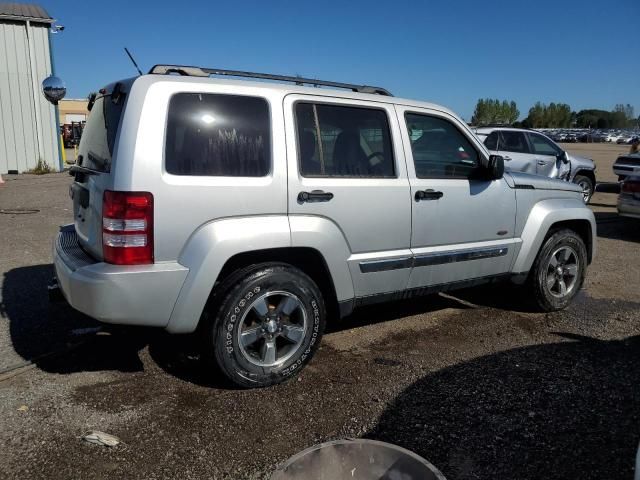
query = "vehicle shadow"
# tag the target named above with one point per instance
(389, 311)
(58, 339)
(563, 410)
(613, 226)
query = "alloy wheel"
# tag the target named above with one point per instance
(562, 272)
(272, 329)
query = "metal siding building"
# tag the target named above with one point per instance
(28, 130)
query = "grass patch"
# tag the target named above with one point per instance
(41, 168)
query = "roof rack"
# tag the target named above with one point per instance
(205, 72)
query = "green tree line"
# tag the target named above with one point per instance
(554, 115)
(493, 112)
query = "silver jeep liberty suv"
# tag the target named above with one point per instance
(254, 211)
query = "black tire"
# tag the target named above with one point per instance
(233, 306)
(587, 184)
(544, 296)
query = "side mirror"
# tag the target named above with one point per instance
(53, 89)
(563, 156)
(495, 167)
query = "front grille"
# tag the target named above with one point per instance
(67, 246)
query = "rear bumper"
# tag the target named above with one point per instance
(628, 206)
(130, 295)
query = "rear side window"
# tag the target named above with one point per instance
(343, 141)
(99, 134)
(218, 135)
(491, 142)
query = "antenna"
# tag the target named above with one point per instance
(132, 60)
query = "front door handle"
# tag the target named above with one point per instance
(314, 196)
(506, 159)
(428, 195)
(542, 162)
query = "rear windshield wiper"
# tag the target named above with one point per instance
(86, 170)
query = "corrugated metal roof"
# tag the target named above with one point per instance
(24, 11)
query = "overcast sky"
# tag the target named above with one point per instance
(584, 53)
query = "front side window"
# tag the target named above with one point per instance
(512, 142)
(343, 141)
(543, 146)
(218, 135)
(439, 149)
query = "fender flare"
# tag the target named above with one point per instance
(542, 217)
(208, 249)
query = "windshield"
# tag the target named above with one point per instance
(98, 137)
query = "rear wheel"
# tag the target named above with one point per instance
(587, 187)
(558, 272)
(267, 326)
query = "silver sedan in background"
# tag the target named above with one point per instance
(629, 198)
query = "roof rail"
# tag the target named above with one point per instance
(205, 72)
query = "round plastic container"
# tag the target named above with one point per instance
(356, 459)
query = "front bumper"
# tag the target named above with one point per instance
(128, 295)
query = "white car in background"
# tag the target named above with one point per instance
(532, 152)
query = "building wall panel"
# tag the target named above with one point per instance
(27, 120)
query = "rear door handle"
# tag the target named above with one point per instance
(428, 195)
(506, 159)
(314, 196)
(542, 162)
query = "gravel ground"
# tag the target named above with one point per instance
(473, 382)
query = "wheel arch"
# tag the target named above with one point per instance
(317, 247)
(590, 174)
(307, 259)
(549, 215)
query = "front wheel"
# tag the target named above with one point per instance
(559, 270)
(587, 187)
(267, 326)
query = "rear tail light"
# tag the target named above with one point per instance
(127, 228)
(631, 186)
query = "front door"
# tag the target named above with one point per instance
(462, 225)
(347, 173)
(546, 154)
(513, 147)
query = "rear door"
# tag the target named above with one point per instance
(513, 147)
(346, 166)
(546, 155)
(96, 159)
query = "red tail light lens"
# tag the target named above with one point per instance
(127, 228)
(631, 186)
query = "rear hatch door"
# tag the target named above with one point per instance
(94, 167)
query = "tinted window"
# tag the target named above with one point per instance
(512, 142)
(543, 146)
(218, 135)
(343, 141)
(439, 149)
(491, 142)
(99, 134)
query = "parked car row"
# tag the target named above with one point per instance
(530, 151)
(591, 136)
